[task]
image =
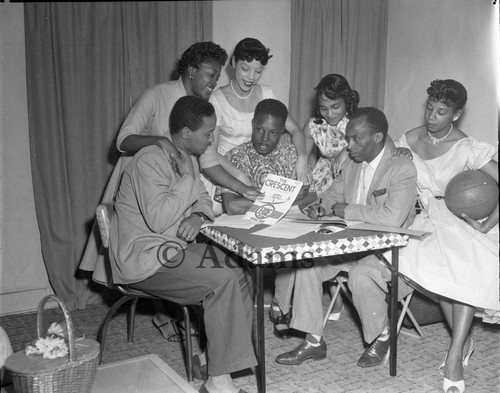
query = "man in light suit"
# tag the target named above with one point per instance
(374, 188)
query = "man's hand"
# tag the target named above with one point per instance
(315, 211)
(184, 164)
(301, 169)
(189, 228)
(401, 152)
(339, 208)
(249, 192)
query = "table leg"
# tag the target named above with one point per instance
(394, 312)
(261, 359)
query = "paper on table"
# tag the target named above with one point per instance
(286, 230)
(235, 221)
(296, 215)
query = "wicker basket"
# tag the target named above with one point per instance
(35, 374)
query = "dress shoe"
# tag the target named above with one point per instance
(168, 329)
(274, 311)
(280, 321)
(465, 359)
(282, 326)
(377, 353)
(335, 316)
(199, 372)
(204, 389)
(453, 387)
(303, 352)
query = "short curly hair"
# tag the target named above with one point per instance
(449, 91)
(333, 87)
(189, 111)
(249, 49)
(270, 106)
(200, 52)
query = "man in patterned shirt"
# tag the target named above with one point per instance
(257, 158)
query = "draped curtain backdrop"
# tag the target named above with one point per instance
(86, 65)
(346, 37)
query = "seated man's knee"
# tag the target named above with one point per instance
(359, 277)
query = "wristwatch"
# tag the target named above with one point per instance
(201, 215)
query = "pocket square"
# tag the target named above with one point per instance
(380, 192)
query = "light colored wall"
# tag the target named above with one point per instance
(23, 278)
(267, 21)
(443, 39)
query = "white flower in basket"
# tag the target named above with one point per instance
(52, 346)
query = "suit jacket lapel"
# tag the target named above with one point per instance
(381, 170)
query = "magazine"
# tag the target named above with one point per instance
(334, 224)
(278, 195)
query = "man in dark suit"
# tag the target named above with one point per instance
(374, 188)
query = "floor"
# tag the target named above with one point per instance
(418, 359)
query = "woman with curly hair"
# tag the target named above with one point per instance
(325, 131)
(148, 121)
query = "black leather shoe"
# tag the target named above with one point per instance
(273, 313)
(282, 326)
(303, 352)
(377, 353)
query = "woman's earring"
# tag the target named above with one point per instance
(190, 76)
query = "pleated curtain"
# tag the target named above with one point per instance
(87, 63)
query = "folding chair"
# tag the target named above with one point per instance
(104, 213)
(338, 284)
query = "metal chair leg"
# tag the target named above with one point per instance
(189, 343)
(345, 290)
(406, 303)
(131, 320)
(107, 320)
(335, 294)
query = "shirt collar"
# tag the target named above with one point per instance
(374, 163)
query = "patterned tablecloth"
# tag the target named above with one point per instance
(263, 250)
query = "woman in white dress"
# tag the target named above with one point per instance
(234, 106)
(458, 261)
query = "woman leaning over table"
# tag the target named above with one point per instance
(458, 262)
(234, 105)
(325, 131)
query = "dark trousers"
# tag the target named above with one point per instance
(205, 274)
